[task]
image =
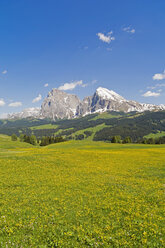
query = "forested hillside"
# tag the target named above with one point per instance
(97, 126)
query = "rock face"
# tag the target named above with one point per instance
(59, 105)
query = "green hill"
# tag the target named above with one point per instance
(98, 127)
(6, 143)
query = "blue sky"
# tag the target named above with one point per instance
(79, 45)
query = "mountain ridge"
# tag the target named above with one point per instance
(61, 105)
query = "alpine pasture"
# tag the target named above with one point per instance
(81, 194)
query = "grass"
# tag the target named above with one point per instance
(46, 126)
(155, 135)
(6, 143)
(81, 194)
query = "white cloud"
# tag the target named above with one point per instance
(4, 72)
(151, 93)
(106, 38)
(15, 104)
(156, 86)
(129, 30)
(46, 85)
(2, 102)
(72, 85)
(159, 76)
(37, 99)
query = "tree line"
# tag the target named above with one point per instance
(44, 141)
(159, 140)
(47, 140)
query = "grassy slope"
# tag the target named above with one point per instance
(6, 143)
(81, 194)
(46, 126)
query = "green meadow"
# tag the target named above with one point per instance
(81, 194)
(46, 126)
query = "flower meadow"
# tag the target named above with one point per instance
(81, 194)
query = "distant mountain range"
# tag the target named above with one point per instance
(61, 105)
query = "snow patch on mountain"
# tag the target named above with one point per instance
(109, 94)
(29, 112)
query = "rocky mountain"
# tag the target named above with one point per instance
(104, 99)
(60, 105)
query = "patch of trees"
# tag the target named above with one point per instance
(14, 137)
(25, 138)
(88, 133)
(51, 140)
(45, 140)
(159, 140)
(79, 137)
(117, 139)
(39, 133)
(127, 140)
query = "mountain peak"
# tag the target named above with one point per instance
(109, 94)
(61, 105)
